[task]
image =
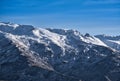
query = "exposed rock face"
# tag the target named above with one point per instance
(31, 54)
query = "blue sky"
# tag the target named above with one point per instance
(92, 16)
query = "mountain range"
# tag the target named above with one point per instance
(28, 53)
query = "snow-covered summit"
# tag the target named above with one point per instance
(8, 24)
(74, 34)
(16, 29)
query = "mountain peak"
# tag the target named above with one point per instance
(8, 24)
(87, 35)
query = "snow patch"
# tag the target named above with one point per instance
(9, 24)
(93, 40)
(115, 41)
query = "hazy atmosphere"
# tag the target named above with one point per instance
(92, 16)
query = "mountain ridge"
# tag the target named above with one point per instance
(35, 54)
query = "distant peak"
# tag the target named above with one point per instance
(8, 24)
(105, 35)
(87, 35)
(5, 22)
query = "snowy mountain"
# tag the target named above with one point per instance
(36, 54)
(111, 41)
